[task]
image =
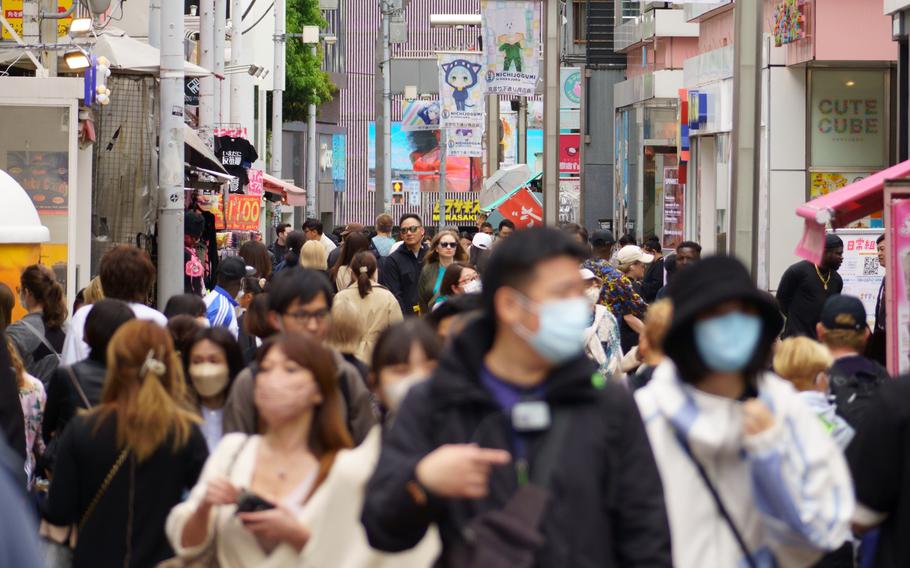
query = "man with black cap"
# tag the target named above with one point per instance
(617, 292)
(804, 287)
(853, 377)
(221, 302)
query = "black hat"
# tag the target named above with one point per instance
(602, 238)
(232, 268)
(832, 241)
(715, 280)
(844, 312)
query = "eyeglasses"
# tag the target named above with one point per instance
(449, 245)
(413, 229)
(474, 278)
(304, 316)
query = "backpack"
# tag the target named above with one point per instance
(853, 392)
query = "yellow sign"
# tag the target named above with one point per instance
(459, 210)
(12, 11)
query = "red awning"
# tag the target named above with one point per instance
(842, 207)
(292, 194)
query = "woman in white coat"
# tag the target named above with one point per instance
(750, 477)
(252, 506)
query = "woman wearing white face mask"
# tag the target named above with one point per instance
(750, 476)
(259, 497)
(213, 360)
(459, 278)
(405, 356)
(602, 341)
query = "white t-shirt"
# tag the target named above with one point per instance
(328, 243)
(75, 349)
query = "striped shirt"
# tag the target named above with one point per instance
(219, 309)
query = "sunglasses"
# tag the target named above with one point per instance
(411, 230)
(448, 245)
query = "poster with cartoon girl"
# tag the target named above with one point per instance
(464, 142)
(511, 32)
(419, 115)
(462, 86)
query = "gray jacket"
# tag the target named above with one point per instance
(357, 408)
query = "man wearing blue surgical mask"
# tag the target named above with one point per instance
(517, 420)
(751, 477)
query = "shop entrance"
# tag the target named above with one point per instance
(660, 171)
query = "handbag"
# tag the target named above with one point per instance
(59, 542)
(208, 558)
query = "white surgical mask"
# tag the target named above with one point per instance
(396, 392)
(209, 379)
(473, 287)
(593, 294)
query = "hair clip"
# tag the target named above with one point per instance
(363, 269)
(262, 283)
(152, 365)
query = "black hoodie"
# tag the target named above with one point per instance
(607, 506)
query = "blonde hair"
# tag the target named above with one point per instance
(347, 327)
(146, 390)
(93, 292)
(657, 323)
(800, 360)
(313, 255)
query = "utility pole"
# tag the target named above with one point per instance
(311, 162)
(218, 46)
(278, 91)
(442, 178)
(170, 155)
(522, 131)
(551, 114)
(384, 114)
(207, 60)
(746, 132)
(240, 82)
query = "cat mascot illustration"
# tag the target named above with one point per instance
(461, 75)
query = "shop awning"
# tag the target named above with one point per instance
(294, 195)
(842, 207)
(131, 55)
(198, 154)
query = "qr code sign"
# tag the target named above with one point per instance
(870, 266)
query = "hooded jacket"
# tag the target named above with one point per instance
(606, 507)
(787, 489)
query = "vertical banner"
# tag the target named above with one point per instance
(898, 275)
(570, 154)
(461, 90)
(419, 115)
(255, 185)
(674, 209)
(464, 142)
(511, 29)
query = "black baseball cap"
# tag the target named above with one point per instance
(602, 237)
(232, 268)
(844, 312)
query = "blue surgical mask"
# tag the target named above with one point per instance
(727, 343)
(561, 331)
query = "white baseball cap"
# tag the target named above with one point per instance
(482, 241)
(631, 253)
(586, 274)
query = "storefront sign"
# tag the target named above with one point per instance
(682, 125)
(569, 153)
(510, 36)
(898, 278)
(243, 213)
(255, 185)
(570, 91)
(674, 210)
(698, 110)
(462, 85)
(861, 271)
(12, 11)
(464, 142)
(789, 22)
(823, 183)
(44, 176)
(419, 115)
(458, 210)
(339, 162)
(848, 119)
(523, 209)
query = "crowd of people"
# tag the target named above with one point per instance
(540, 397)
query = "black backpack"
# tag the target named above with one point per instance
(853, 392)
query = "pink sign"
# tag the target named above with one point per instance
(255, 185)
(569, 153)
(898, 283)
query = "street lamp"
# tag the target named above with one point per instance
(77, 59)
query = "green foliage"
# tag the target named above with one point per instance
(305, 80)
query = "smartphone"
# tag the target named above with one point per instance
(251, 503)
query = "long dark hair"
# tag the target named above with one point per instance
(7, 303)
(394, 345)
(225, 341)
(43, 286)
(364, 267)
(255, 254)
(355, 243)
(452, 276)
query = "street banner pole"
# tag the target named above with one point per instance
(551, 114)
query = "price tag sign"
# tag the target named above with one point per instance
(243, 212)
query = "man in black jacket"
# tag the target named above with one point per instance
(655, 278)
(515, 405)
(401, 269)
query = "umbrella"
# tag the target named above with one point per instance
(503, 182)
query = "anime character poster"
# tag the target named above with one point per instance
(419, 115)
(511, 32)
(462, 85)
(464, 142)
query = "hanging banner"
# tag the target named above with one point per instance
(523, 209)
(898, 274)
(674, 208)
(255, 185)
(243, 213)
(419, 115)
(461, 89)
(464, 142)
(570, 154)
(511, 29)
